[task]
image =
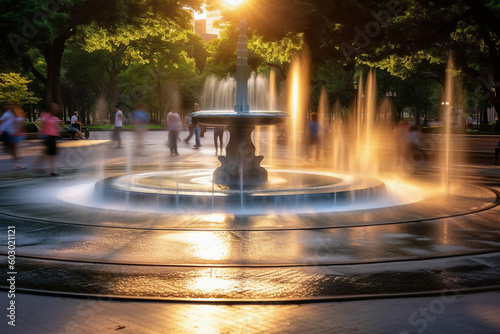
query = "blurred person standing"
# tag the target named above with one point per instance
(117, 130)
(190, 124)
(140, 119)
(174, 124)
(469, 122)
(6, 122)
(399, 134)
(313, 131)
(18, 134)
(218, 135)
(412, 142)
(196, 128)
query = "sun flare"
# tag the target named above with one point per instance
(234, 3)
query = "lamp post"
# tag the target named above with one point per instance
(391, 94)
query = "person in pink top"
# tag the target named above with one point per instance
(49, 131)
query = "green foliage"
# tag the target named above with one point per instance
(337, 82)
(278, 52)
(222, 53)
(47, 26)
(14, 90)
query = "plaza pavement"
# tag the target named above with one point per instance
(450, 312)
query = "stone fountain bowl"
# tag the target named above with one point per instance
(194, 190)
(232, 118)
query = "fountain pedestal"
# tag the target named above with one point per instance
(240, 166)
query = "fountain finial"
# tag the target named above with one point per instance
(241, 105)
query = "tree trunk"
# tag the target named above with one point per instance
(53, 57)
(113, 69)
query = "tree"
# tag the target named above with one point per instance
(425, 33)
(47, 26)
(14, 90)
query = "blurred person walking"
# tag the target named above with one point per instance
(174, 124)
(12, 131)
(49, 132)
(190, 124)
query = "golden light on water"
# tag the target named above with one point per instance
(215, 218)
(208, 245)
(210, 283)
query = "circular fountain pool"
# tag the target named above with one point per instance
(286, 191)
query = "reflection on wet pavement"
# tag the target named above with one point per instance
(436, 243)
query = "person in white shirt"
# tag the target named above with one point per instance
(75, 125)
(118, 127)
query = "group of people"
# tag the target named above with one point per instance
(12, 129)
(174, 125)
(140, 119)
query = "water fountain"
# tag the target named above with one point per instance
(240, 167)
(241, 183)
(180, 232)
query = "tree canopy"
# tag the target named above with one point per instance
(115, 49)
(47, 26)
(14, 90)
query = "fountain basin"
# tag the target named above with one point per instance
(195, 190)
(232, 118)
